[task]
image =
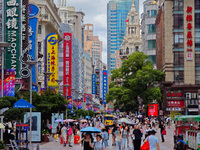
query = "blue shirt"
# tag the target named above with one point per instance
(153, 140)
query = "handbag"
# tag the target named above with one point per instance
(164, 132)
(145, 146)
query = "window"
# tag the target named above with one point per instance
(152, 58)
(148, 13)
(151, 28)
(39, 46)
(178, 21)
(178, 59)
(179, 75)
(39, 67)
(197, 76)
(88, 51)
(197, 60)
(60, 59)
(39, 29)
(197, 4)
(197, 39)
(112, 51)
(133, 18)
(197, 20)
(136, 48)
(153, 13)
(178, 40)
(60, 68)
(112, 65)
(178, 5)
(151, 44)
(88, 38)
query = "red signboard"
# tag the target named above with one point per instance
(175, 103)
(67, 62)
(152, 109)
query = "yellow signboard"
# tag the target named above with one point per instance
(52, 59)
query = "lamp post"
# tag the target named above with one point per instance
(72, 89)
(3, 46)
(31, 64)
(47, 75)
(66, 85)
(58, 81)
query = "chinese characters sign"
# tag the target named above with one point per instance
(52, 58)
(105, 85)
(93, 83)
(175, 103)
(13, 34)
(67, 62)
(152, 109)
(189, 53)
(97, 71)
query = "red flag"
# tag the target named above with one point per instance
(127, 20)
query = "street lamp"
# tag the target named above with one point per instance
(31, 65)
(66, 85)
(3, 46)
(47, 75)
(58, 81)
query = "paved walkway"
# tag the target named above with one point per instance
(167, 145)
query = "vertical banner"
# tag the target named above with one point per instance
(105, 85)
(13, 34)
(69, 99)
(152, 109)
(93, 83)
(67, 63)
(97, 71)
(51, 59)
(8, 82)
(1, 20)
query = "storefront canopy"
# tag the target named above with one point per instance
(188, 118)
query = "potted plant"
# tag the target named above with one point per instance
(2, 145)
(45, 134)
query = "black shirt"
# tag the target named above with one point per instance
(138, 134)
(162, 127)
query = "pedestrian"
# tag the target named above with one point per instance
(58, 130)
(153, 141)
(70, 136)
(180, 145)
(137, 135)
(113, 134)
(125, 135)
(99, 144)
(162, 127)
(105, 136)
(86, 142)
(64, 134)
(118, 138)
(147, 133)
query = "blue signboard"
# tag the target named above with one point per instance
(33, 10)
(93, 83)
(105, 85)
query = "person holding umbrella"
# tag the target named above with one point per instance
(58, 130)
(86, 142)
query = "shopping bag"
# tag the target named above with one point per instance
(56, 137)
(164, 132)
(145, 146)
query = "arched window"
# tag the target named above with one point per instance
(127, 50)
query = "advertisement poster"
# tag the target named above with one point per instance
(93, 83)
(51, 58)
(88, 106)
(152, 109)
(77, 103)
(97, 71)
(36, 125)
(105, 85)
(8, 83)
(67, 62)
(54, 124)
(69, 100)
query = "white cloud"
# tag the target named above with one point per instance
(104, 57)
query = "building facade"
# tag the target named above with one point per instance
(117, 11)
(92, 44)
(177, 54)
(132, 41)
(149, 29)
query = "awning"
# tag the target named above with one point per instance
(193, 109)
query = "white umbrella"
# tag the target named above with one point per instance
(2, 126)
(123, 120)
(69, 120)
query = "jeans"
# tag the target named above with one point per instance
(118, 145)
(124, 143)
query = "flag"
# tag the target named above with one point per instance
(127, 20)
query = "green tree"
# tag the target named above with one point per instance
(135, 78)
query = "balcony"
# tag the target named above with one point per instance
(123, 55)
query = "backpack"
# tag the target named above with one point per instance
(70, 132)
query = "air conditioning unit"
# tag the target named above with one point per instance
(188, 95)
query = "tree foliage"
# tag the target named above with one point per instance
(135, 78)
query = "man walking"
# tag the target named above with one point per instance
(153, 141)
(162, 127)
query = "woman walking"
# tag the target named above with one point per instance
(70, 136)
(105, 137)
(99, 144)
(125, 135)
(118, 138)
(87, 141)
(64, 134)
(58, 130)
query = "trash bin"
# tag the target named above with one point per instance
(76, 139)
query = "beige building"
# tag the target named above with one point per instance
(177, 53)
(132, 41)
(92, 44)
(49, 22)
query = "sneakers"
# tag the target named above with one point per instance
(70, 146)
(64, 144)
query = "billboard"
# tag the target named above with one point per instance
(97, 71)
(67, 62)
(152, 109)
(105, 85)
(93, 83)
(51, 58)
(13, 34)
(8, 82)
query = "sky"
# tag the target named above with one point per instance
(96, 14)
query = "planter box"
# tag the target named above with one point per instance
(45, 138)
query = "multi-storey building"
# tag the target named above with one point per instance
(92, 44)
(178, 54)
(149, 30)
(117, 11)
(49, 22)
(132, 41)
